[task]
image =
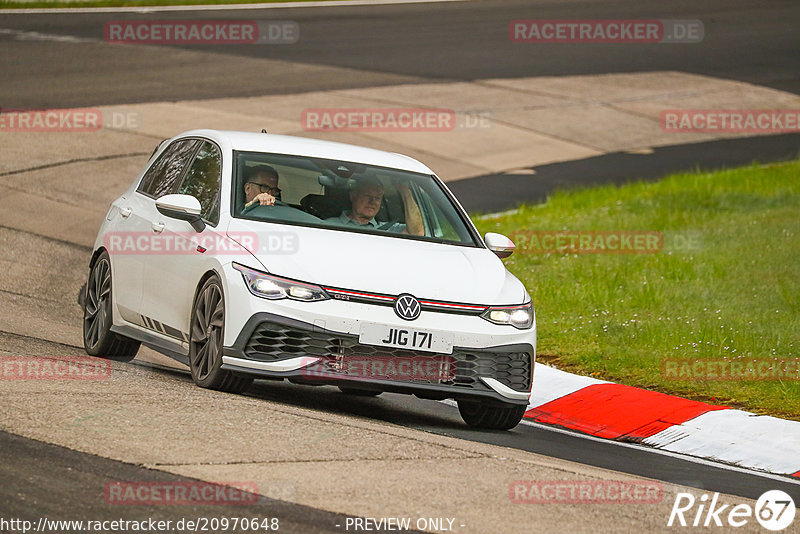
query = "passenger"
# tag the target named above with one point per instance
(366, 201)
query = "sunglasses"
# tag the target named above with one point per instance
(264, 188)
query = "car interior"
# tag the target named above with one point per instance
(320, 189)
(314, 189)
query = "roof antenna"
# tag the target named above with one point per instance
(263, 130)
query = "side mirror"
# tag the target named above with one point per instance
(182, 207)
(499, 244)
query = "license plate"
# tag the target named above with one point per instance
(406, 338)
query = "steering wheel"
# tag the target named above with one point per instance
(254, 204)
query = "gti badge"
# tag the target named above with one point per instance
(407, 307)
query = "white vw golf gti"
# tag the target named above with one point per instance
(248, 255)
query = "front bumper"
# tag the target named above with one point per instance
(274, 346)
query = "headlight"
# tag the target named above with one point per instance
(517, 316)
(274, 287)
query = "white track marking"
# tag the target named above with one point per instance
(496, 215)
(550, 384)
(729, 439)
(680, 456)
(22, 35)
(677, 455)
(220, 7)
(736, 437)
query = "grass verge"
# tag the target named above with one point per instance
(722, 291)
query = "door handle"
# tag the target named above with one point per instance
(125, 212)
(157, 227)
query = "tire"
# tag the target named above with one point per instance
(98, 339)
(490, 416)
(359, 392)
(206, 333)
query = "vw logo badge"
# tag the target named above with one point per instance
(407, 307)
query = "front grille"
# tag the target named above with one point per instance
(272, 342)
(512, 369)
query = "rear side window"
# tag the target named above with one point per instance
(163, 175)
(203, 181)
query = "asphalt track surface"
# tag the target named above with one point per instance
(51, 481)
(509, 189)
(46, 481)
(444, 419)
(747, 40)
(751, 41)
(355, 47)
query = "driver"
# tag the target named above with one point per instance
(261, 186)
(366, 201)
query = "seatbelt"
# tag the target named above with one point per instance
(386, 225)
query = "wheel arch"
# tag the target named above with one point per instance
(203, 279)
(96, 254)
(92, 261)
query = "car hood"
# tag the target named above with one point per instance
(380, 264)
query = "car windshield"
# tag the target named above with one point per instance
(346, 196)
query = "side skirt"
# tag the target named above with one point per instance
(167, 348)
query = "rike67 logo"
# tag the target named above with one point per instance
(774, 510)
